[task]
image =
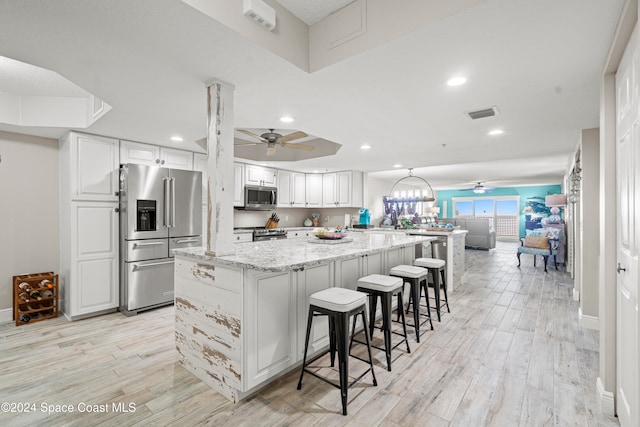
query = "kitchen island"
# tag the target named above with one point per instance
(241, 319)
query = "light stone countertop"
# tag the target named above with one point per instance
(293, 254)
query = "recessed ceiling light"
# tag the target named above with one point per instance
(286, 119)
(456, 81)
(176, 138)
(365, 147)
(496, 132)
(397, 165)
(316, 171)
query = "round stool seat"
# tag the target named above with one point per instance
(409, 271)
(338, 299)
(379, 282)
(429, 262)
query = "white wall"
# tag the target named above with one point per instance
(30, 210)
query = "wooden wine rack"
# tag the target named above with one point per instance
(43, 309)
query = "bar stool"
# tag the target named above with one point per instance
(338, 304)
(385, 287)
(414, 275)
(437, 269)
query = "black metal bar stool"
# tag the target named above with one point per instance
(385, 287)
(414, 275)
(338, 304)
(436, 268)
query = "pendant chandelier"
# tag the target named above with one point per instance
(404, 201)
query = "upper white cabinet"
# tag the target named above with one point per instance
(258, 175)
(238, 186)
(291, 189)
(152, 155)
(313, 192)
(89, 167)
(342, 189)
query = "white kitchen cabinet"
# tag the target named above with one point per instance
(91, 282)
(242, 237)
(88, 167)
(258, 175)
(299, 234)
(271, 320)
(309, 281)
(238, 184)
(313, 193)
(291, 189)
(89, 229)
(153, 155)
(342, 189)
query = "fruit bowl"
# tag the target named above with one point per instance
(336, 234)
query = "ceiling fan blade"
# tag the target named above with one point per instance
(292, 136)
(247, 144)
(298, 146)
(251, 134)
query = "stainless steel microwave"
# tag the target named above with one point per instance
(260, 198)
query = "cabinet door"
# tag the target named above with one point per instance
(298, 190)
(313, 279)
(394, 257)
(373, 264)
(271, 317)
(313, 193)
(348, 271)
(176, 159)
(94, 168)
(238, 184)
(343, 188)
(93, 284)
(269, 177)
(285, 189)
(329, 190)
(253, 175)
(135, 152)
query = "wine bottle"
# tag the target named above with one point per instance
(24, 297)
(46, 283)
(47, 293)
(35, 295)
(24, 286)
(25, 318)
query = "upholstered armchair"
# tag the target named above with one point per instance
(537, 242)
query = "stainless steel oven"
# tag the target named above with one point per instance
(260, 198)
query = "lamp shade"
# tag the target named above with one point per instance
(555, 200)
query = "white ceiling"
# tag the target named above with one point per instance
(539, 62)
(312, 11)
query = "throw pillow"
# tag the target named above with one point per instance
(536, 242)
(538, 232)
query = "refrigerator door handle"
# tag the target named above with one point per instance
(148, 244)
(166, 202)
(187, 240)
(173, 202)
(151, 264)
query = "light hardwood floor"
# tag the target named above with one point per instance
(511, 353)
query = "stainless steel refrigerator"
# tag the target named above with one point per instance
(160, 210)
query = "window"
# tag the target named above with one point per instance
(502, 211)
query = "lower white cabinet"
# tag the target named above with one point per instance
(311, 280)
(92, 283)
(299, 234)
(271, 315)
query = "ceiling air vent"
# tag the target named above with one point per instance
(485, 112)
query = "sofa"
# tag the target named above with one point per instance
(481, 234)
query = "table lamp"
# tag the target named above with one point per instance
(555, 201)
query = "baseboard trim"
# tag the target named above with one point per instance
(576, 294)
(6, 315)
(588, 322)
(606, 398)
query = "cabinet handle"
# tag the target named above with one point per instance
(157, 161)
(162, 162)
(619, 269)
(116, 209)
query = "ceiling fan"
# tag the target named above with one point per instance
(272, 138)
(480, 189)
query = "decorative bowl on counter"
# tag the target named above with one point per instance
(334, 234)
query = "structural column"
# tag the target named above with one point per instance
(220, 189)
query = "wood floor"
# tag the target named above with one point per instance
(510, 353)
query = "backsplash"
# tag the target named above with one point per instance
(294, 217)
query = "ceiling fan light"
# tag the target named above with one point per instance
(479, 190)
(271, 149)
